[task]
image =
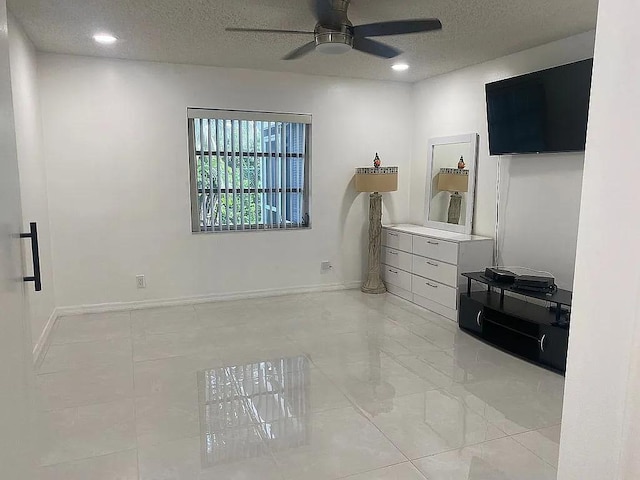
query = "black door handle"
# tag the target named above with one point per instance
(35, 254)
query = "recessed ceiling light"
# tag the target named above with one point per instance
(400, 67)
(105, 38)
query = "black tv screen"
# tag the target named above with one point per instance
(546, 111)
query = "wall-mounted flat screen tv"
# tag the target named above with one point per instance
(541, 112)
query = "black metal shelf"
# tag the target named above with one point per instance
(558, 297)
(526, 329)
(516, 308)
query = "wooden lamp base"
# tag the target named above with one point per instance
(373, 283)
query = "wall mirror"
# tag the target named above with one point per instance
(451, 181)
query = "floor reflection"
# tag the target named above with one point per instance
(369, 388)
(480, 469)
(248, 410)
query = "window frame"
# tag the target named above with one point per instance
(253, 116)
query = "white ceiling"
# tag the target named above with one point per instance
(192, 31)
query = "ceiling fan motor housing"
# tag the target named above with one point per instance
(334, 41)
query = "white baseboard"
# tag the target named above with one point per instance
(221, 297)
(40, 348)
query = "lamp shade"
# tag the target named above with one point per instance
(371, 179)
(453, 180)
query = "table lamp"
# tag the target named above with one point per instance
(375, 180)
(453, 180)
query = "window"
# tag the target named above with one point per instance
(249, 170)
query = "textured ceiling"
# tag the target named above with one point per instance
(192, 31)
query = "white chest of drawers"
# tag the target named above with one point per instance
(424, 265)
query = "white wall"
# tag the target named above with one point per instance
(117, 165)
(33, 181)
(601, 418)
(540, 194)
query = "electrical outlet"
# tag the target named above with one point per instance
(326, 266)
(140, 281)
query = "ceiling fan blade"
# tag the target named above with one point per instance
(301, 51)
(266, 30)
(372, 47)
(399, 27)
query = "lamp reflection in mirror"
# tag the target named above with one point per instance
(376, 180)
(455, 181)
(444, 154)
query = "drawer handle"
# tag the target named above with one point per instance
(479, 318)
(433, 243)
(393, 271)
(433, 264)
(541, 342)
(431, 285)
(393, 234)
(392, 253)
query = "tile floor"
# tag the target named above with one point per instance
(318, 386)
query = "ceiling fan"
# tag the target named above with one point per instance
(335, 34)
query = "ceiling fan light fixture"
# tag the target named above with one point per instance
(333, 48)
(334, 43)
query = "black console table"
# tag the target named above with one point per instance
(537, 333)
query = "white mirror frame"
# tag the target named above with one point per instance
(472, 139)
